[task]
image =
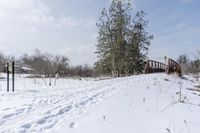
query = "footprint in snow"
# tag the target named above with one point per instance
(72, 125)
(26, 126)
(6, 109)
(7, 116)
(41, 121)
(104, 118)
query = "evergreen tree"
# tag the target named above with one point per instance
(138, 45)
(121, 43)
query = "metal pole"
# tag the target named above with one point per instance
(7, 67)
(13, 76)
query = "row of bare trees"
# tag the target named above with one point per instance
(47, 65)
(3, 60)
(188, 65)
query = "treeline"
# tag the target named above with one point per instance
(3, 60)
(122, 47)
(190, 65)
(47, 65)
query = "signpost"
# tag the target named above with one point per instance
(13, 76)
(8, 73)
(10, 68)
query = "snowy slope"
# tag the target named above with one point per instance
(137, 104)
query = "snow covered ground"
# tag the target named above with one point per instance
(136, 104)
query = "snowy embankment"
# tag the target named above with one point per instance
(137, 104)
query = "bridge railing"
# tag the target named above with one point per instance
(154, 67)
(157, 67)
(173, 67)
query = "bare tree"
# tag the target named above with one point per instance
(2, 62)
(184, 61)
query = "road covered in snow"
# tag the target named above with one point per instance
(140, 104)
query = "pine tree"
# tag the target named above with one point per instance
(121, 20)
(121, 42)
(138, 45)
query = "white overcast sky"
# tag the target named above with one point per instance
(68, 27)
